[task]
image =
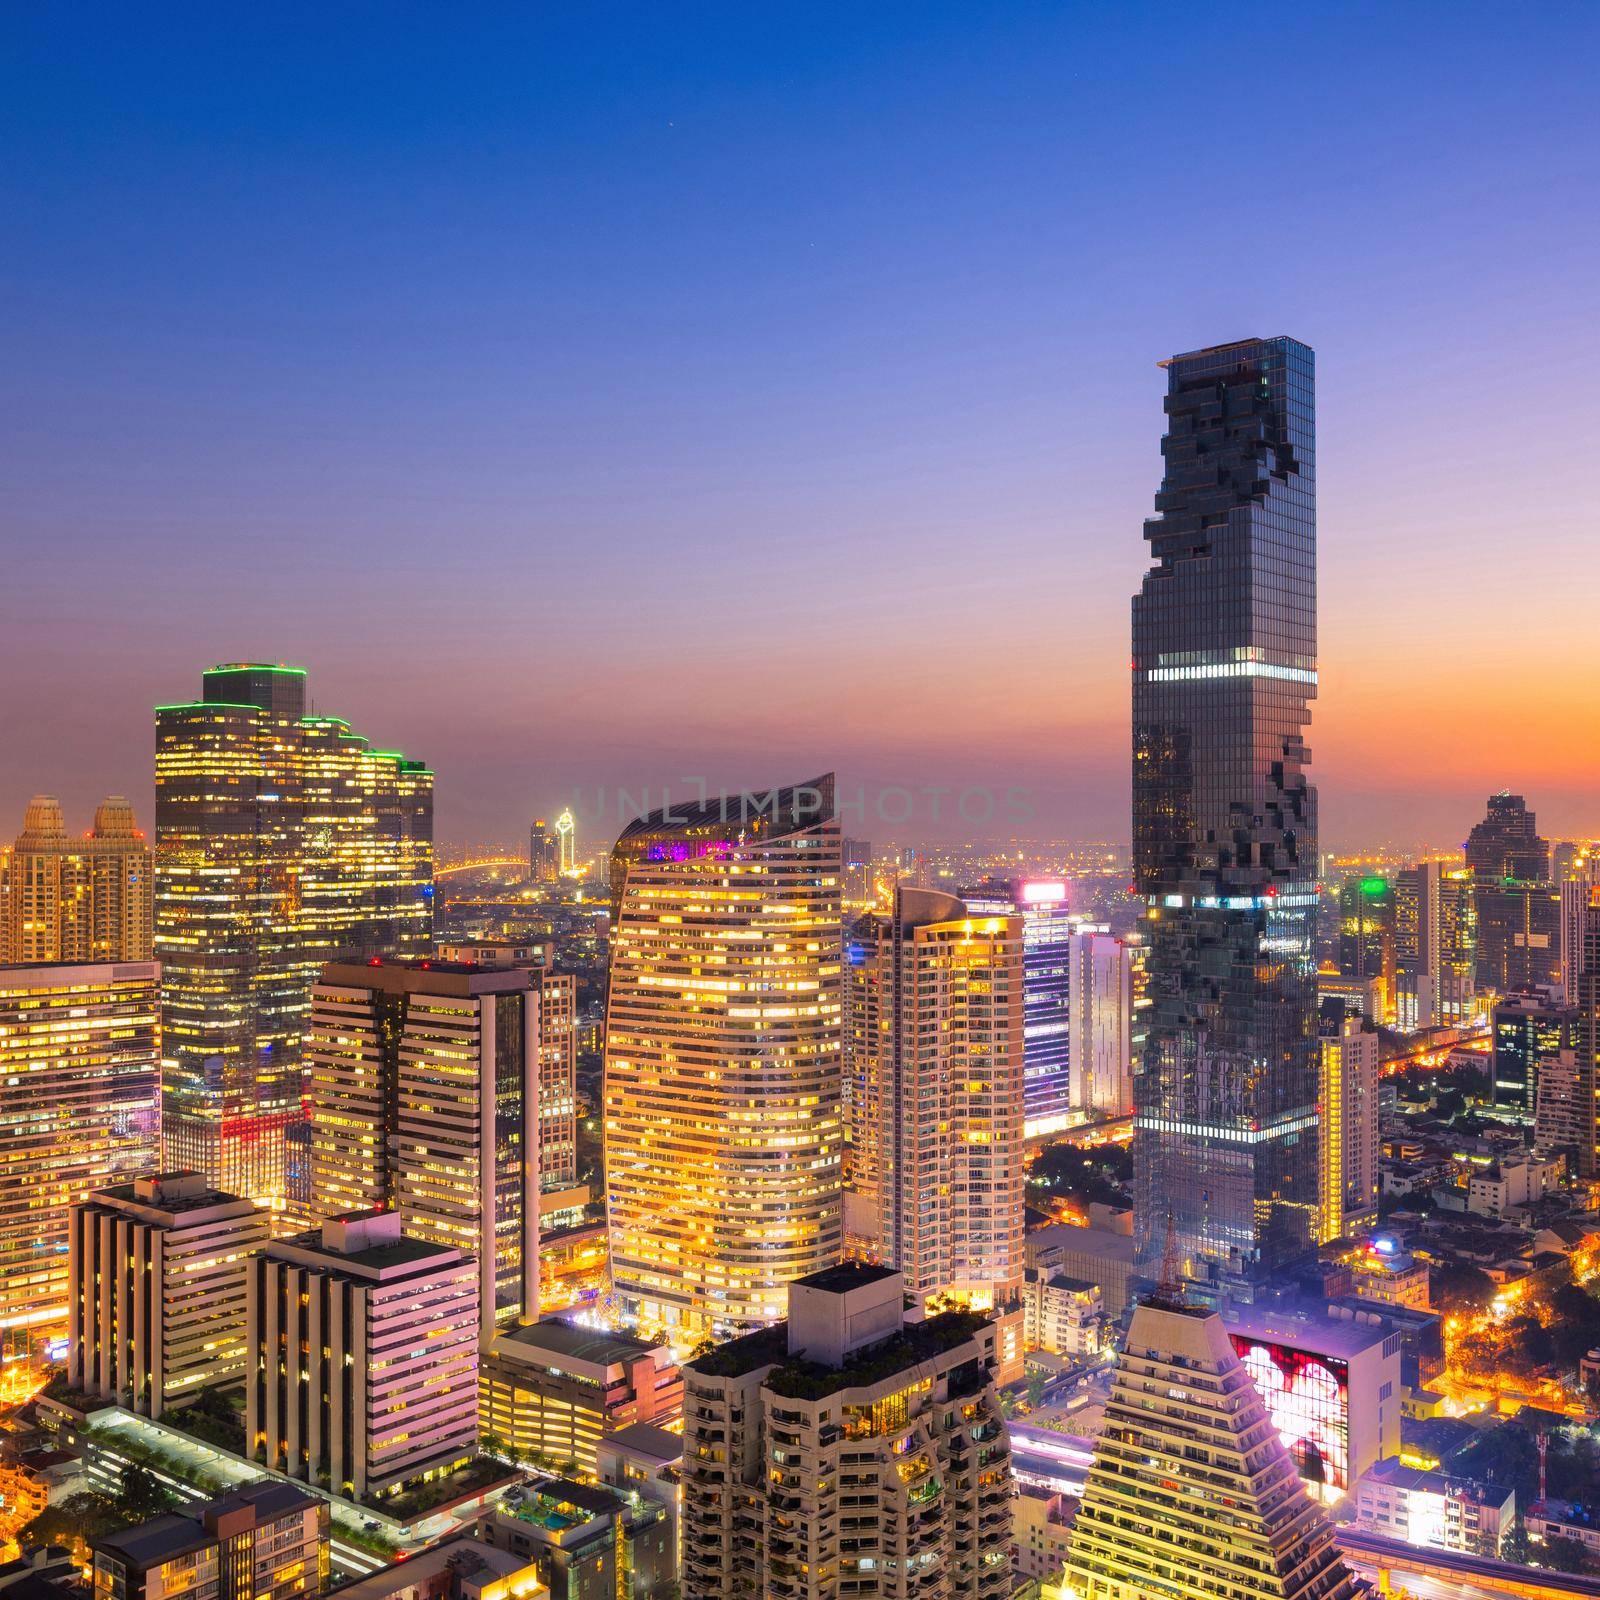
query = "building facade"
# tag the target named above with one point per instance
(1527, 1028)
(1519, 909)
(1100, 1014)
(1435, 1510)
(552, 1390)
(159, 1269)
(1436, 946)
(1349, 1148)
(423, 1081)
(282, 840)
(264, 1541)
(935, 1065)
(366, 1342)
(79, 1055)
(722, 1059)
(1191, 1490)
(1224, 820)
(848, 1451)
(72, 900)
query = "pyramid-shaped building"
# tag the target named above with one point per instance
(1191, 1492)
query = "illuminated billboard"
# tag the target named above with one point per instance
(1307, 1396)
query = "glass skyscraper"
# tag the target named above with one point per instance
(1224, 821)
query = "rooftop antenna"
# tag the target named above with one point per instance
(1171, 1285)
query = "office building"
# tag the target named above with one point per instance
(78, 899)
(847, 1451)
(424, 1093)
(936, 1053)
(78, 1062)
(859, 892)
(544, 853)
(1527, 1028)
(1434, 1510)
(367, 1358)
(1586, 989)
(1100, 1016)
(1436, 946)
(1047, 976)
(1331, 1387)
(1576, 883)
(1367, 936)
(1191, 1490)
(553, 1390)
(587, 1541)
(722, 1059)
(1519, 910)
(1349, 1146)
(283, 840)
(159, 1269)
(264, 1541)
(557, 994)
(1225, 823)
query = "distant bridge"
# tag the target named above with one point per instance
(483, 861)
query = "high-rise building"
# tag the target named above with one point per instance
(159, 1269)
(1587, 986)
(78, 1060)
(1349, 1124)
(848, 1451)
(423, 1079)
(1436, 946)
(1224, 820)
(544, 853)
(935, 1066)
(69, 899)
(567, 844)
(1100, 1014)
(283, 840)
(1049, 1103)
(1519, 910)
(366, 1378)
(1191, 1490)
(858, 889)
(1561, 1121)
(1527, 1028)
(1366, 943)
(722, 1058)
(263, 1541)
(1576, 885)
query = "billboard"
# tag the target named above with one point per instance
(1307, 1396)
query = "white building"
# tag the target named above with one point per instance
(158, 1274)
(1434, 1509)
(1063, 1315)
(1100, 1015)
(1520, 1182)
(367, 1379)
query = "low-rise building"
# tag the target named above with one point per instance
(265, 1541)
(1434, 1509)
(1104, 1256)
(1041, 1527)
(46, 1572)
(551, 1390)
(1391, 1276)
(1508, 1183)
(647, 1460)
(587, 1542)
(462, 1568)
(1562, 1519)
(158, 1274)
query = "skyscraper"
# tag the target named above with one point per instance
(423, 1082)
(72, 899)
(722, 1058)
(1049, 1103)
(1366, 945)
(1100, 1017)
(1224, 819)
(935, 1066)
(544, 853)
(1436, 946)
(77, 1112)
(1519, 910)
(282, 840)
(1191, 1490)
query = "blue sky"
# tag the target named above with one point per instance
(604, 395)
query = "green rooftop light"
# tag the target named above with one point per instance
(1374, 885)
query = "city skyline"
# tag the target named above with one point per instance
(492, 362)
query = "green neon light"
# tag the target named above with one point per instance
(1373, 885)
(255, 666)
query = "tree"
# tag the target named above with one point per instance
(1514, 1547)
(1461, 1288)
(142, 1495)
(1561, 1554)
(1035, 1390)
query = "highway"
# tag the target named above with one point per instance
(1443, 1575)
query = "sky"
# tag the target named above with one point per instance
(609, 398)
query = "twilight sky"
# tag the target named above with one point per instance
(601, 396)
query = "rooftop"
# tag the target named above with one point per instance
(575, 1343)
(160, 1539)
(847, 1275)
(1326, 1336)
(916, 1343)
(646, 1439)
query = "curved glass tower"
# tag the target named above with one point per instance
(722, 1072)
(1224, 821)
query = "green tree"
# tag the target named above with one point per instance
(1561, 1554)
(142, 1495)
